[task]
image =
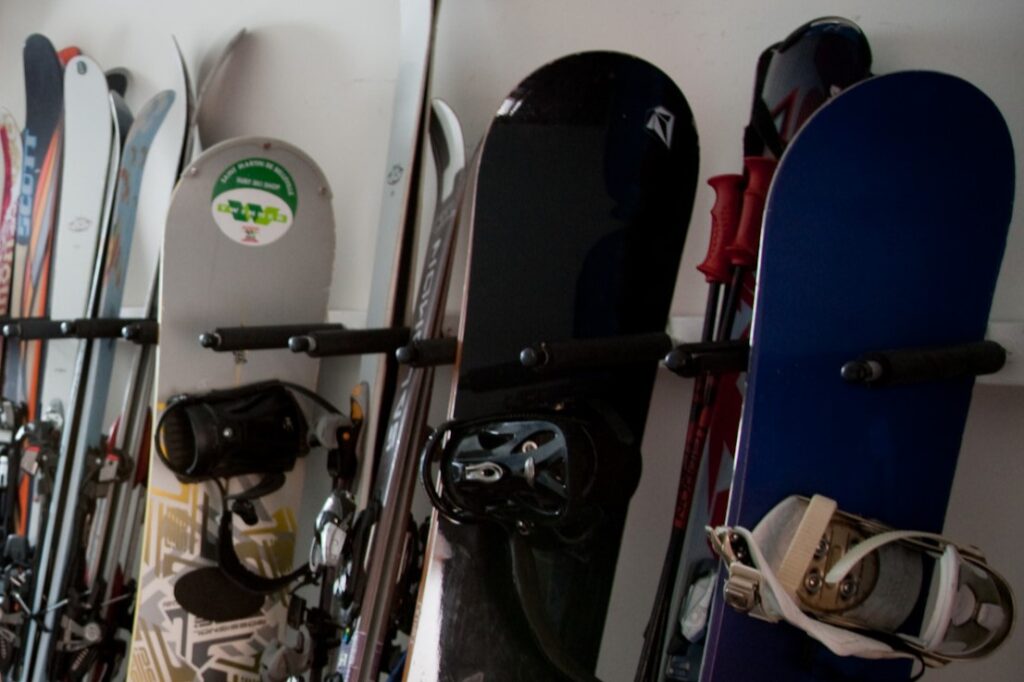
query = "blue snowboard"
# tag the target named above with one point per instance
(884, 228)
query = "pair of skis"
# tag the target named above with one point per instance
(794, 77)
(38, 377)
(367, 584)
(69, 567)
(81, 550)
(377, 598)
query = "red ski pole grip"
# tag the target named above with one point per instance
(725, 219)
(743, 252)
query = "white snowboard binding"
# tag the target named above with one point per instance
(854, 584)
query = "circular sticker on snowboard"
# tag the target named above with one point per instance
(254, 202)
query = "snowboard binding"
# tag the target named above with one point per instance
(551, 481)
(854, 584)
(547, 476)
(256, 429)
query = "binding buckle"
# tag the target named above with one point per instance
(742, 588)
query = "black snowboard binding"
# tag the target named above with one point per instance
(553, 481)
(254, 429)
(549, 476)
(258, 429)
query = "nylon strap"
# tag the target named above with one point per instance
(805, 543)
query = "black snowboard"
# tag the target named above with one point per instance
(583, 197)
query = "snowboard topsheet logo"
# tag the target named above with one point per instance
(660, 121)
(254, 202)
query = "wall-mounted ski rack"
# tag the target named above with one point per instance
(138, 330)
(897, 366)
(30, 328)
(713, 357)
(330, 343)
(581, 354)
(428, 352)
(917, 365)
(687, 360)
(141, 331)
(320, 340)
(261, 337)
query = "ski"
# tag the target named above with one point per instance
(89, 152)
(36, 204)
(396, 226)
(116, 524)
(73, 594)
(387, 309)
(100, 464)
(139, 140)
(10, 148)
(794, 77)
(10, 621)
(38, 214)
(41, 142)
(390, 535)
(208, 74)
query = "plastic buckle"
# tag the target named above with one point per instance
(742, 588)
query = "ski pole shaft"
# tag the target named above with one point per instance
(725, 222)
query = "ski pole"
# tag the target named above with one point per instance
(716, 269)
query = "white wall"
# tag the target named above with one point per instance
(321, 74)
